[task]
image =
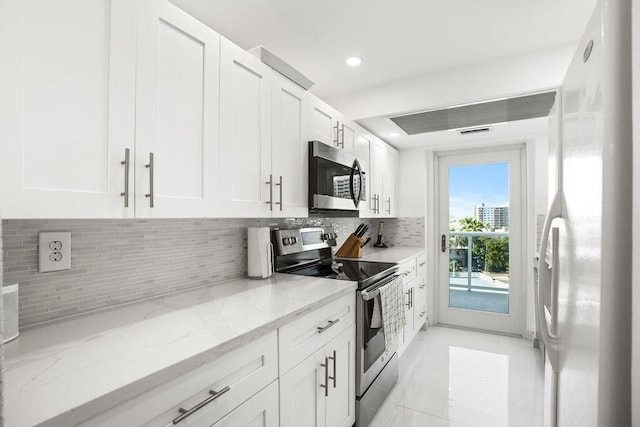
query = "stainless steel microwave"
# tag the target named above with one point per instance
(336, 181)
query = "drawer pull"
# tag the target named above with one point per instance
(422, 264)
(405, 274)
(184, 413)
(321, 329)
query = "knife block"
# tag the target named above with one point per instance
(351, 248)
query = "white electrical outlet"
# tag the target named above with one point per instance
(54, 251)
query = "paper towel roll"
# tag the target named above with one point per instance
(259, 253)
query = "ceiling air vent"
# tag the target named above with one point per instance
(479, 114)
(474, 130)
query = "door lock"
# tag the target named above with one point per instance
(443, 241)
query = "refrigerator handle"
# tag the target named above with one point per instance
(546, 317)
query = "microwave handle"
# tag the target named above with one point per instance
(355, 168)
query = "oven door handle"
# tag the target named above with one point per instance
(369, 294)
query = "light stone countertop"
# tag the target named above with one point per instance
(65, 371)
(396, 254)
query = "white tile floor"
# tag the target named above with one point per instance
(451, 377)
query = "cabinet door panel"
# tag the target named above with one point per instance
(259, 411)
(177, 112)
(289, 148)
(67, 105)
(245, 140)
(347, 135)
(322, 122)
(388, 208)
(302, 400)
(377, 179)
(341, 402)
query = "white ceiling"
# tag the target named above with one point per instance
(397, 39)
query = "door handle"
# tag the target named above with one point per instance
(443, 243)
(333, 378)
(279, 184)
(125, 162)
(150, 166)
(270, 184)
(325, 365)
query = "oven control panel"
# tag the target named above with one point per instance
(295, 240)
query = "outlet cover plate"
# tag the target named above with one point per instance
(54, 251)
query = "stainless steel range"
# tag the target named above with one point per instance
(307, 252)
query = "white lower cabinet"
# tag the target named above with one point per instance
(313, 356)
(415, 299)
(320, 390)
(420, 296)
(233, 377)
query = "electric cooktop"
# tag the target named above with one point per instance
(364, 272)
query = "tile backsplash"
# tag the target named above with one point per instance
(124, 260)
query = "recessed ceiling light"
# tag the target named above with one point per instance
(354, 61)
(394, 134)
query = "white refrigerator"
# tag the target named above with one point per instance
(584, 266)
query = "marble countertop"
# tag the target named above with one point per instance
(65, 371)
(396, 254)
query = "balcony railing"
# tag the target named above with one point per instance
(479, 260)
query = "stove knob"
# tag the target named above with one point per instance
(286, 241)
(294, 240)
(325, 236)
(333, 236)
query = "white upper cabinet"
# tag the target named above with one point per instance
(390, 183)
(329, 126)
(67, 107)
(176, 113)
(384, 180)
(246, 187)
(347, 134)
(322, 122)
(289, 147)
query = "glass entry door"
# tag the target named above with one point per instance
(480, 240)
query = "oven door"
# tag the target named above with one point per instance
(372, 354)
(336, 180)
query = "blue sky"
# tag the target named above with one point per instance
(473, 185)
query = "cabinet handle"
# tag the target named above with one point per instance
(377, 203)
(333, 378)
(389, 201)
(373, 200)
(125, 162)
(321, 329)
(185, 413)
(405, 274)
(337, 140)
(341, 132)
(150, 167)
(422, 264)
(280, 185)
(411, 300)
(270, 184)
(408, 303)
(325, 365)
